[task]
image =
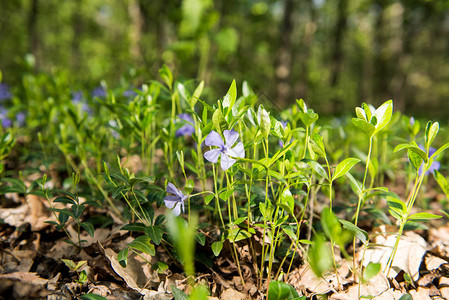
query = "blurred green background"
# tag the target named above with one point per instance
(332, 53)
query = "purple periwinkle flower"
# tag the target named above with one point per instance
(20, 118)
(77, 97)
(187, 129)
(98, 92)
(411, 122)
(224, 148)
(435, 164)
(5, 120)
(176, 200)
(4, 91)
(129, 93)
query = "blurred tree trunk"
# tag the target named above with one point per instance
(33, 35)
(337, 55)
(135, 33)
(284, 58)
(77, 26)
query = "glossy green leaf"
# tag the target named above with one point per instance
(414, 159)
(423, 216)
(167, 76)
(278, 290)
(264, 122)
(383, 115)
(396, 205)
(441, 149)
(196, 94)
(155, 233)
(230, 97)
(371, 270)
(178, 294)
(412, 147)
(143, 244)
(136, 227)
(344, 167)
(361, 234)
(91, 296)
(216, 247)
(318, 145)
(317, 168)
(431, 132)
(122, 257)
(219, 121)
(88, 227)
(364, 126)
(286, 201)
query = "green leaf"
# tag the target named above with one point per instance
(364, 126)
(143, 244)
(230, 97)
(396, 205)
(423, 216)
(286, 201)
(367, 110)
(82, 277)
(196, 94)
(414, 159)
(208, 198)
(167, 76)
(371, 270)
(216, 247)
(278, 290)
(320, 256)
(178, 294)
(317, 168)
(155, 233)
(264, 121)
(77, 210)
(360, 113)
(91, 296)
(88, 227)
(431, 132)
(412, 147)
(122, 257)
(219, 121)
(318, 145)
(237, 234)
(137, 227)
(69, 263)
(383, 115)
(441, 149)
(406, 297)
(201, 238)
(344, 167)
(442, 182)
(358, 232)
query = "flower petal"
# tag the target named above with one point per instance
(169, 202)
(226, 162)
(237, 151)
(231, 137)
(214, 139)
(177, 210)
(171, 188)
(212, 155)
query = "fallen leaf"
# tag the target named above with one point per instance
(376, 286)
(409, 255)
(25, 277)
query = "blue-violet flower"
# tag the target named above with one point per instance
(187, 129)
(176, 200)
(224, 148)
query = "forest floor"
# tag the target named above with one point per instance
(31, 266)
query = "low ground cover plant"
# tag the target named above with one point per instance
(196, 184)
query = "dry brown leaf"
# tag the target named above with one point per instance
(231, 294)
(434, 262)
(308, 280)
(33, 211)
(409, 255)
(421, 294)
(138, 274)
(376, 286)
(25, 277)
